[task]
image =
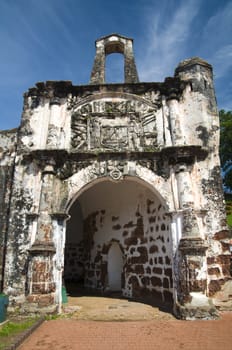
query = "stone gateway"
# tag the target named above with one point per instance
(116, 187)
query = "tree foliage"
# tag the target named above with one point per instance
(226, 147)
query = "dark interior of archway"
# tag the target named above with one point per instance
(77, 251)
(74, 259)
(129, 215)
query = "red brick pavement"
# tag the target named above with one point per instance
(70, 334)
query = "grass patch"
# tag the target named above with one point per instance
(52, 317)
(14, 327)
(229, 220)
(228, 198)
(10, 330)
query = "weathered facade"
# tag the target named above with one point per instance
(116, 186)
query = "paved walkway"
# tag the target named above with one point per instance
(71, 334)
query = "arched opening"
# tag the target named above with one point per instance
(115, 268)
(118, 239)
(114, 68)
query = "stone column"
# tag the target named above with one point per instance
(186, 202)
(130, 70)
(59, 227)
(41, 286)
(53, 128)
(44, 226)
(190, 259)
(167, 141)
(98, 71)
(174, 118)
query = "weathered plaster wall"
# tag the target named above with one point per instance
(8, 140)
(20, 232)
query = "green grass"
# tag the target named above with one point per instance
(229, 220)
(228, 198)
(52, 317)
(11, 329)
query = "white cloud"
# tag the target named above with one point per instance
(218, 29)
(168, 37)
(217, 40)
(222, 60)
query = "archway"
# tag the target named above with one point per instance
(115, 268)
(114, 70)
(121, 223)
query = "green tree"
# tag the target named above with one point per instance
(226, 147)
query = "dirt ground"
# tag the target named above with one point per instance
(95, 308)
(101, 323)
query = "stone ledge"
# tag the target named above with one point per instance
(42, 247)
(193, 245)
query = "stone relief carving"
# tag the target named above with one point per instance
(72, 102)
(52, 137)
(116, 169)
(68, 169)
(113, 168)
(114, 125)
(79, 131)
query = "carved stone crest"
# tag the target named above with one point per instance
(117, 125)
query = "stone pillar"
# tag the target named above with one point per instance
(53, 128)
(98, 71)
(190, 260)
(175, 124)
(59, 227)
(44, 227)
(41, 285)
(167, 141)
(131, 75)
(186, 202)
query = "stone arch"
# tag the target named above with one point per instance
(115, 266)
(144, 103)
(90, 175)
(115, 45)
(142, 234)
(107, 45)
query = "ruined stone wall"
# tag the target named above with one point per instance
(199, 100)
(165, 134)
(20, 231)
(8, 140)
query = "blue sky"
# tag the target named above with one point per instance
(55, 40)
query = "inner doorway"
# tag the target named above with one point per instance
(115, 268)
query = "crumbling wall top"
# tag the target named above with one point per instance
(193, 61)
